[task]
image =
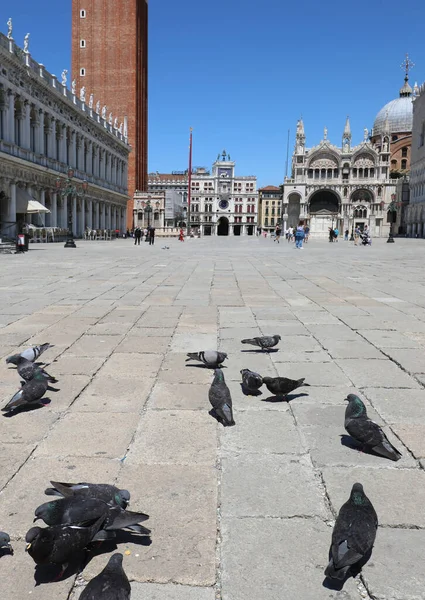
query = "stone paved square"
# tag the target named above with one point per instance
(242, 513)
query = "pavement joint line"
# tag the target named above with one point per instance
(219, 468)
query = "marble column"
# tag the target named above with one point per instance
(43, 217)
(74, 214)
(90, 214)
(39, 133)
(82, 216)
(54, 209)
(11, 118)
(89, 169)
(97, 216)
(26, 126)
(73, 153)
(11, 230)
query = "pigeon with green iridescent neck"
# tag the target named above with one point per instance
(27, 370)
(101, 491)
(83, 510)
(221, 400)
(30, 354)
(30, 394)
(111, 584)
(366, 431)
(353, 535)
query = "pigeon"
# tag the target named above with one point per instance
(221, 401)
(83, 510)
(353, 535)
(101, 491)
(5, 542)
(367, 432)
(251, 381)
(57, 545)
(111, 584)
(265, 343)
(30, 354)
(281, 386)
(31, 393)
(210, 358)
(27, 370)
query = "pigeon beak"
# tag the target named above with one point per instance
(35, 519)
(28, 546)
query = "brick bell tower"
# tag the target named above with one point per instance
(110, 59)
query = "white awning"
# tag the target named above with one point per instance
(36, 207)
(26, 204)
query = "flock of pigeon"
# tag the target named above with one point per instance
(87, 513)
(355, 528)
(83, 514)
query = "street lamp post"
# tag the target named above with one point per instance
(148, 210)
(392, 210)
(67, 189)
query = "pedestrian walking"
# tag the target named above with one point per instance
(356, 236)
(137, 236)
(290, 234)
(336, 233)
(331, 234)
(299, 235)
(346, 232)
(145, 233)
(278, 231)
(181, 236)
(306, 233)
(151, 234)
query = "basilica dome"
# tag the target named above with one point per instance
(397, 115)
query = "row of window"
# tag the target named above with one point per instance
(403, 165)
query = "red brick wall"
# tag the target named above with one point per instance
(115, 60)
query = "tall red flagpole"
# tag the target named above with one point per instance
(189, 192)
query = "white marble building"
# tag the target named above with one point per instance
(342, 187)
(415, 211)
(223, 203)
(45, 129)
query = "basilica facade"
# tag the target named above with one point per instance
(349, 186)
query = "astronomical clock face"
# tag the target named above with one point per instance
(224, 173)
(223, 204)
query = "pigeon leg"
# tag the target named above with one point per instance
(64, 568)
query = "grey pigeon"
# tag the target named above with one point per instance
(58, 545)
(30, 354)
(210, 358)
(281, 386)
(265, 342)
(5, 542)
(251, 381)
(366, 431)
(100, 491)
(83, 510)
(221, 401)
(111, 584)
(30, 394)
(27, 370)
(353, 535)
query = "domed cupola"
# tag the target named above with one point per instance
(397, 116)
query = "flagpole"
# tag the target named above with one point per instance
(189, 192)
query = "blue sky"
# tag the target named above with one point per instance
(242, 72)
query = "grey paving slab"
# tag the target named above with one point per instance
(241, 507)
(192, 441)
(376, 373)
(395, 493)
(274, 486)
(386, 578)
(288, 562)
